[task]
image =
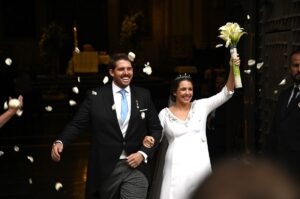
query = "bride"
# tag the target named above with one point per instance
(187, 160)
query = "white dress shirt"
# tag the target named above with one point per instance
(123, 126)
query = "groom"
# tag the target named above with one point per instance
(119, 163)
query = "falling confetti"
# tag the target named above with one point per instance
(1, 153)
(30, 181)
(105, 80)
(248, 17)
(58, 186)
(8, 61)
(94, 93)
(5, 106)
(283, 82)
(251, 62)
(219, 45)
(275, 91)
(78, 79)
(48, 108)
(30, 158)
(19, 113)
(247, 71)
(131, 56)
(147, 69)
(75, 89)
(16, 148)
(259, 65)
(14, 103)
(72, 103)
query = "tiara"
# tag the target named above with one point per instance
(183, 76)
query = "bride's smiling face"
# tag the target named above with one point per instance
(184, 92)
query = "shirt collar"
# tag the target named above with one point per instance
(117, 89)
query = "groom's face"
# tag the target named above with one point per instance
(122, 73)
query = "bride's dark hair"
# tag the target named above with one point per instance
(175, 84)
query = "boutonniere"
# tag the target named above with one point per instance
(113, 107)
(94, 93)
(137, 104)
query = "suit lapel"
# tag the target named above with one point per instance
(291, 106)
(110, 107)
(134, 110)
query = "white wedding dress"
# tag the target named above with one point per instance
(187, 160)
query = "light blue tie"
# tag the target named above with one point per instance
(124, 105)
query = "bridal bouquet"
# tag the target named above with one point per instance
(231, 34)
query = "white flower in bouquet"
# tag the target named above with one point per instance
(231, 34)
(131, 56)
(147, 69)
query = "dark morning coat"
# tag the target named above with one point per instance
(107, 142)
(284, 137)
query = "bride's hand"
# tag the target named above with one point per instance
(148, 141)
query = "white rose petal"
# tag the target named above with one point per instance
(283, 82)
(30, 181)
(78, 79)
(251, 62)
(147, 69)
(16, 148)
(58, 186)
(48, 108)
(219, 45)
(75, 89)
(147, 64)
(72, 103)
(248, 17)
(259, 65)
(5, 106)
(275, 91)
(105, 80)
(247, 71)
(131, 56)
(94, 93)
(8, 61)
(14, 103)
(1, 153)
(77, 50)
(19, 113)
(30, 158)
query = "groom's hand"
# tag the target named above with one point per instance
(135, 159)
